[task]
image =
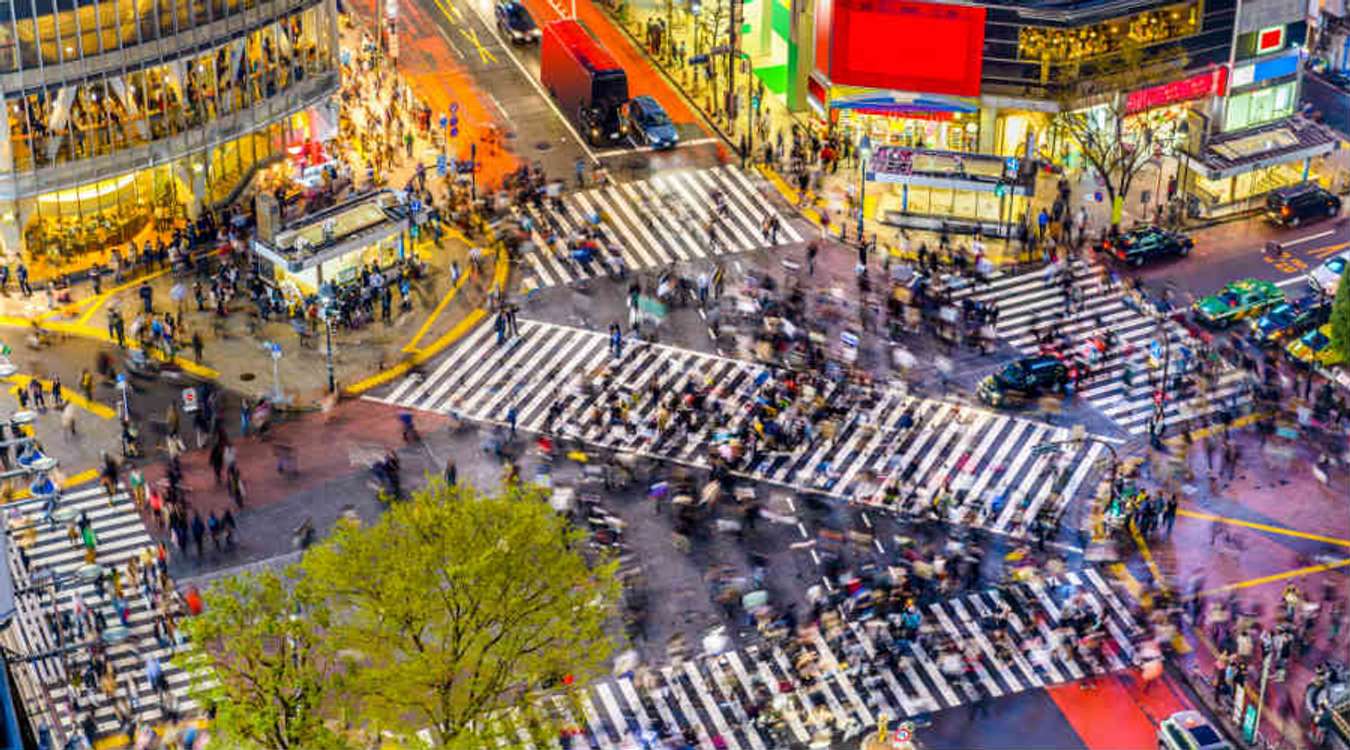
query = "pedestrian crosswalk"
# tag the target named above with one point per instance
(56, 579)
(1027, 304)
(567, 380)
(839, 680)
(655, 222)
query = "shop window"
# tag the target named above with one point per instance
(1261, 106)
(1055, 45)
(989, 205)
(965, 203)
(920, 200)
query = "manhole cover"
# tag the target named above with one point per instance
(247, 376)
(543, 146)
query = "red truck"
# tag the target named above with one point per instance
(585, 79)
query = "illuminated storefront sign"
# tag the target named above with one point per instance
(1279, 67)
(1270, 40)
(857, 40)
(1195, 87)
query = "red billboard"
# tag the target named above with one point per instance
(903, 45)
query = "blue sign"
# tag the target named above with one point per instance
(1276, 68)
(440, 164)
(416, 206)
(444, 122)
(1011, 164)
(454, 107)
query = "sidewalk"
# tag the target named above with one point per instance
(1247, 529)
(232, 351)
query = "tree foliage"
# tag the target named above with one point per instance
(460, 606)
(1340, 319)
(260, 655)
(1115, 144)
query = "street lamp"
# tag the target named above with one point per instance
(864, 155)
(327, 311)
(1081, 435)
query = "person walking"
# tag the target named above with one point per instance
(198, 532)
(451, 474)
(616, 340)
(1170, 513)
(511, 416)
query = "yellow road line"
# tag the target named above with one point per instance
(93, 407)
(1205, 432)
(411, 347)
(1264, 527)
(1296, 573)
(453, 335)
(98, 334)
(70, 481)
(1323, 252)
(1147, 554)
(789, 194)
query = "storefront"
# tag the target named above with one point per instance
(933, 190)
(1234, 171)
(58, 227)
(333, 245)
(893, 119)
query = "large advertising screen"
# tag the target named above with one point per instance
(904, 45)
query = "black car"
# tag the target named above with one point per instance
(1146, 243)
(1027, 377)
(1289, 320)
(517, 23)
(1296, 204)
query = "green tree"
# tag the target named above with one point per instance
(459, 607)
(1114, 143)
(1340, 319)
(260, 655)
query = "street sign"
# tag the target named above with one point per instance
(440, 165)
(189, 400)
(454, 107)
(444, 122)
(1249, 724)
(1010, 166)
(273, 348)
(415, 206)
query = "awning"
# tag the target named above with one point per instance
(889, 103)
(1290, 140)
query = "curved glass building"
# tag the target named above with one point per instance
(125, 116)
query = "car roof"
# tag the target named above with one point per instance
(646, 102)
(1040, 360)
(1250, 285)
(1298, 189)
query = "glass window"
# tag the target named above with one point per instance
(920, 198)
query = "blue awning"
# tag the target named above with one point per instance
(888, 103)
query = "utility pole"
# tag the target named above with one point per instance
(733, 54)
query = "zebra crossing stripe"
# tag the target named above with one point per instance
(121, 535)
(657, 221)
(551, 368)
(735, 175)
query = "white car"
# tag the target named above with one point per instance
(1327, 277)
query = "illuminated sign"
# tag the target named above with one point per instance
(1194, 87)
(1270, 40)
(943, 45)
(1278, 67)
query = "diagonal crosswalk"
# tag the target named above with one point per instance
(985, 460)
(51, 555)
(656, 222)
(849, 674)
(1028, 304)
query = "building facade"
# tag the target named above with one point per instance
(986, 79)
(129, 116)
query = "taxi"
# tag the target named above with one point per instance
(1314, 348)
